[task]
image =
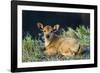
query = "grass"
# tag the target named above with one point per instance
(32, 48)
(82, 33)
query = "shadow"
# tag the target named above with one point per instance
(86, 51)
(12, 72)
(16, 72)
(8, 70)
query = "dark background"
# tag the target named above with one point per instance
(30, 19)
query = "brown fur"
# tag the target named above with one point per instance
(60, 45)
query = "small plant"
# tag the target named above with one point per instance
(68, 33)
(84, 35)
(31, 49)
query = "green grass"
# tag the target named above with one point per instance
(32, 47)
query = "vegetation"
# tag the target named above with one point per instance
(81, 33)
(32, 49)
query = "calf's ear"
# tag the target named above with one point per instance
(56, 27)
(40, 25)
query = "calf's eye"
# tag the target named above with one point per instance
(44, 31)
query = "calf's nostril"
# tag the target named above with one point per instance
(47, 36)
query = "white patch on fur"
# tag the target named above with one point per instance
(46, 41)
